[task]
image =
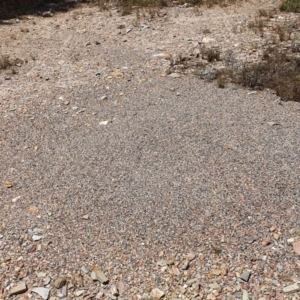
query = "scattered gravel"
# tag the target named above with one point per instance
(188, 191)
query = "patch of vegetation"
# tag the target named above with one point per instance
(290, 5)
(278, 71)
(257, 25)
(4, 62)
(15, 8)
(217, 250)
(127, 6)
(221, 80)
(213, 55)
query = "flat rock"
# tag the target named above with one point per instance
(208, 40)
(79, 293)
(36, 237)
(20, 288)
(291, 288)
(174, 75)
(59, 282)
(245, 275)
(97, 274)
(191, 256)
(43, 292)
(245, 295)
(157, 293)
(47, 14)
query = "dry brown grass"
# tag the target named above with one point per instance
(4, 62)
(127, 6)
(290, 5)
(278, 71)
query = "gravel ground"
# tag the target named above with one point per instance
(169, 185)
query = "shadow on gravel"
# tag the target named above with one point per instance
(16, 8)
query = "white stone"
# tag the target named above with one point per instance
(174, 75)
(291, 288)
(207, 40)
(245, 295)
(36, 237)
(43, 292)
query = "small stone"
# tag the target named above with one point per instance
(64, 291)
(224, 271)
(85, 217)
(249, 239)
(104, 98)
(84, 269)
(18, 289)
(47, 14)
(22, 274)
(117, 74)
(41, 274)
(128, 30)
(216, 272)
(208, 40)
(7, 184)
(273, 228)
(245, 275)
(266, 242)
(170, 262)
(184, 265)
(276, 236)
(47, 281)
(14, 200)
(97, 274)
(162, 55)
(97, 43)
(59, 282)
(174, 75)
(36, 237)
(78, 293)
(175, 271)
(291, 288)
(245, 295)
(78, 280)
(7, 78)
(100, 295)
(273, 124)
(162, 263)
(157, 293)
(43, 292)
(114, 291)
(296, 247)
(290, 240)
(120, 26)
(105, 122)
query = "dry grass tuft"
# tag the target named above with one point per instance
(278, 71)
(4, 62)
(290, 5)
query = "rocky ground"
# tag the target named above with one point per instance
(126, 176)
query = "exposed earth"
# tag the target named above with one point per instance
(124, 175)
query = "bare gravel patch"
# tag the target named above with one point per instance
(120, 181)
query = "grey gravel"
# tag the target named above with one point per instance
(191, 174)
(246, 275)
